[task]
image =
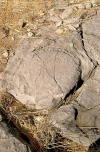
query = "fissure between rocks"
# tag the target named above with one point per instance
(83, 45)
(76, 87)
(74, 93)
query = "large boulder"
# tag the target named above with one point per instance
(57, 71)
(41, 72)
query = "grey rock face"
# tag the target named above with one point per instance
(72, 127)
(48, 68)
(82, 123)
(80, 119)
(8, 143)
(42, 75)
(41, 72)
(89, 98)
(91, 35)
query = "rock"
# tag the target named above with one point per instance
(40, 76)
(37, 76)
(74, 45)
(54, 19)
(88, 5)
(51, 12)
(71, 27)
(5, 54)
(81, 123)
(8, 142)
(72, 1)
(71, 21)
(30, 34)
(58, 23)
(79, 6)
(89, 99)
(66, 12)
(91, 36)
(64, 119)
(59, 31)
(79, 120)
(31, 81)
(47, 32)
(56, 71)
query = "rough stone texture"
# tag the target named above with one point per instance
(44, 71)
(82, 123)
(73, 127)
(91, 35)
(80, 119)
(8, 143)
(44, 74)
(48, 67)
(41, 76)
(89, 99)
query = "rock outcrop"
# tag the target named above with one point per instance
(58, 70)
(8, 142)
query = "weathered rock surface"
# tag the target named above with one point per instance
(80, 119)
(91, 35)
(39, 72)
(8, 143)
(58, 69)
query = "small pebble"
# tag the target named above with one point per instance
(54, 19)
(12, 38)
(30, 34)
(76, 25)
(58, 24)
(65, 12)
(94, 4)
(59, 31)
(71, 2)
(71, 21)
(79, 6)
(51, 12)
(5, 54)
(71, 27)
(88, 5)
(28, 30)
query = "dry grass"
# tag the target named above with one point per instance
(16, 12)
(19, 16)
